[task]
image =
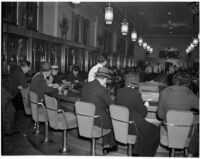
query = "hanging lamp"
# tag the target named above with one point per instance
(140, 41)
(124, 27)
(108, 14)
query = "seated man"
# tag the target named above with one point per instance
(39, 83)
(74, 76)
(96, 93)
(56, 74)
(148, 134)
(178, 97)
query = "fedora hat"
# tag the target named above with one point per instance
(103, 72)
(45, 66)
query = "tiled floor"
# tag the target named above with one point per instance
(26, 143)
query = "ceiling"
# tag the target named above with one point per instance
(158, 18)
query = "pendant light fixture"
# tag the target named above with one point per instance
(151, 50)
(134, 35)
(140, 41)
(144, 45)
(124, 27)
(148, 48)
(108, 14)
(195, 42)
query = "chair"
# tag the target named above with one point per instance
(120, 121)
(39, 114)
(25, 97)
(60, 120)
(178, 127)
(85, 113)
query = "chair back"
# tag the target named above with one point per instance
(85, 113)
(34, 105)
(178, 127)
(120, 118)
(25, 97)
(52, 111)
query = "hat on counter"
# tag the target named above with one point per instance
(45, 66)
(103, 72)
(54, 66)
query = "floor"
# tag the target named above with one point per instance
(26, 143)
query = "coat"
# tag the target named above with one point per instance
(40, 87)
(93, 92)
(16, 78)
(148, 135)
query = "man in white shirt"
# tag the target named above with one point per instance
(92, 73)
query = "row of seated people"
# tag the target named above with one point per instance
(174, 97)
(95, 92)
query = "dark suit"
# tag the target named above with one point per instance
(148, 134)
(16, 78)
(71, 77)
(176, 97)
(93, 92)
(40, 87)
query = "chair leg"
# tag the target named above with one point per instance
(185, 152)
(37, 131)
(129, 149)
(93, 146)
(46, 133)
(64, 143)
(172, 153)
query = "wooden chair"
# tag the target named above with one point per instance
(39, 114)
(60, 120)
(174, 133)
(85, 113)
(120, 121)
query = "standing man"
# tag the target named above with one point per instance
(11, 93)
(101, 63)
(96, 93)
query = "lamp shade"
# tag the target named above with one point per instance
(144, 45)
(187, 51)
(124, 27)
(151, 50)
(140, 41)
(195, 42)
(199, 36)
(134, 35)
(192, 46)
(108, 15)
(148, 48)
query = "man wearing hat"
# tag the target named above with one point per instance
(96, 93)
(56, 76)
(101, 63)
(39, 83)
(74, 76)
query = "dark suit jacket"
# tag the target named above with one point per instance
(16, 78)
(148, 134)
(40, 87)
(71, 77)
(176, 97)
(94, 93)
